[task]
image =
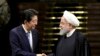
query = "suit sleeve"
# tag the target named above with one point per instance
(15, 45)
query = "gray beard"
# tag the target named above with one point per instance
(63, 32)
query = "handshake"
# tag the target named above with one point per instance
(43, 54)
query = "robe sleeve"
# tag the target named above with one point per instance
(84, 47)
(55, 47)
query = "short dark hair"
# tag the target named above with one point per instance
(27, 14)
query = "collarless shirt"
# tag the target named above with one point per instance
(70, 33)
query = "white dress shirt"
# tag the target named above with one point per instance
(29, 33)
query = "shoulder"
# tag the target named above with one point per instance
(15, 29)
(80, 36)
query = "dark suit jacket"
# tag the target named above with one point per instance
(20, 44)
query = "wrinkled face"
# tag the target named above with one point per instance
(64, 24)
(32, 24)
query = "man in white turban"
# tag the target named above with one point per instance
(72, 42)
(68, 23)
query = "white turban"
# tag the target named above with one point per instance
(71, 18)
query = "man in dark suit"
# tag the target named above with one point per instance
(24, 38)
(72, 42)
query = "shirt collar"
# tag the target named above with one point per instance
(70, 33)
(25, 28)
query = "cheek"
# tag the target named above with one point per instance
(63, 27)
(66, 26)
(31, 24)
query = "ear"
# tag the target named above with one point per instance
(25, 21)
(70, 25)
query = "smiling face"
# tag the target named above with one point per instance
(64, 25)
(29, 18)
(32, 23)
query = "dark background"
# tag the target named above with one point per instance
(42, 6)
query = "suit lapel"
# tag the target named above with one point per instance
(23, 35)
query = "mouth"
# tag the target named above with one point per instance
(60, 27)
(33, 27)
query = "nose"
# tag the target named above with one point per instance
(36, 23)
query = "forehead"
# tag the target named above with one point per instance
(34, 17)
(63, 19)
